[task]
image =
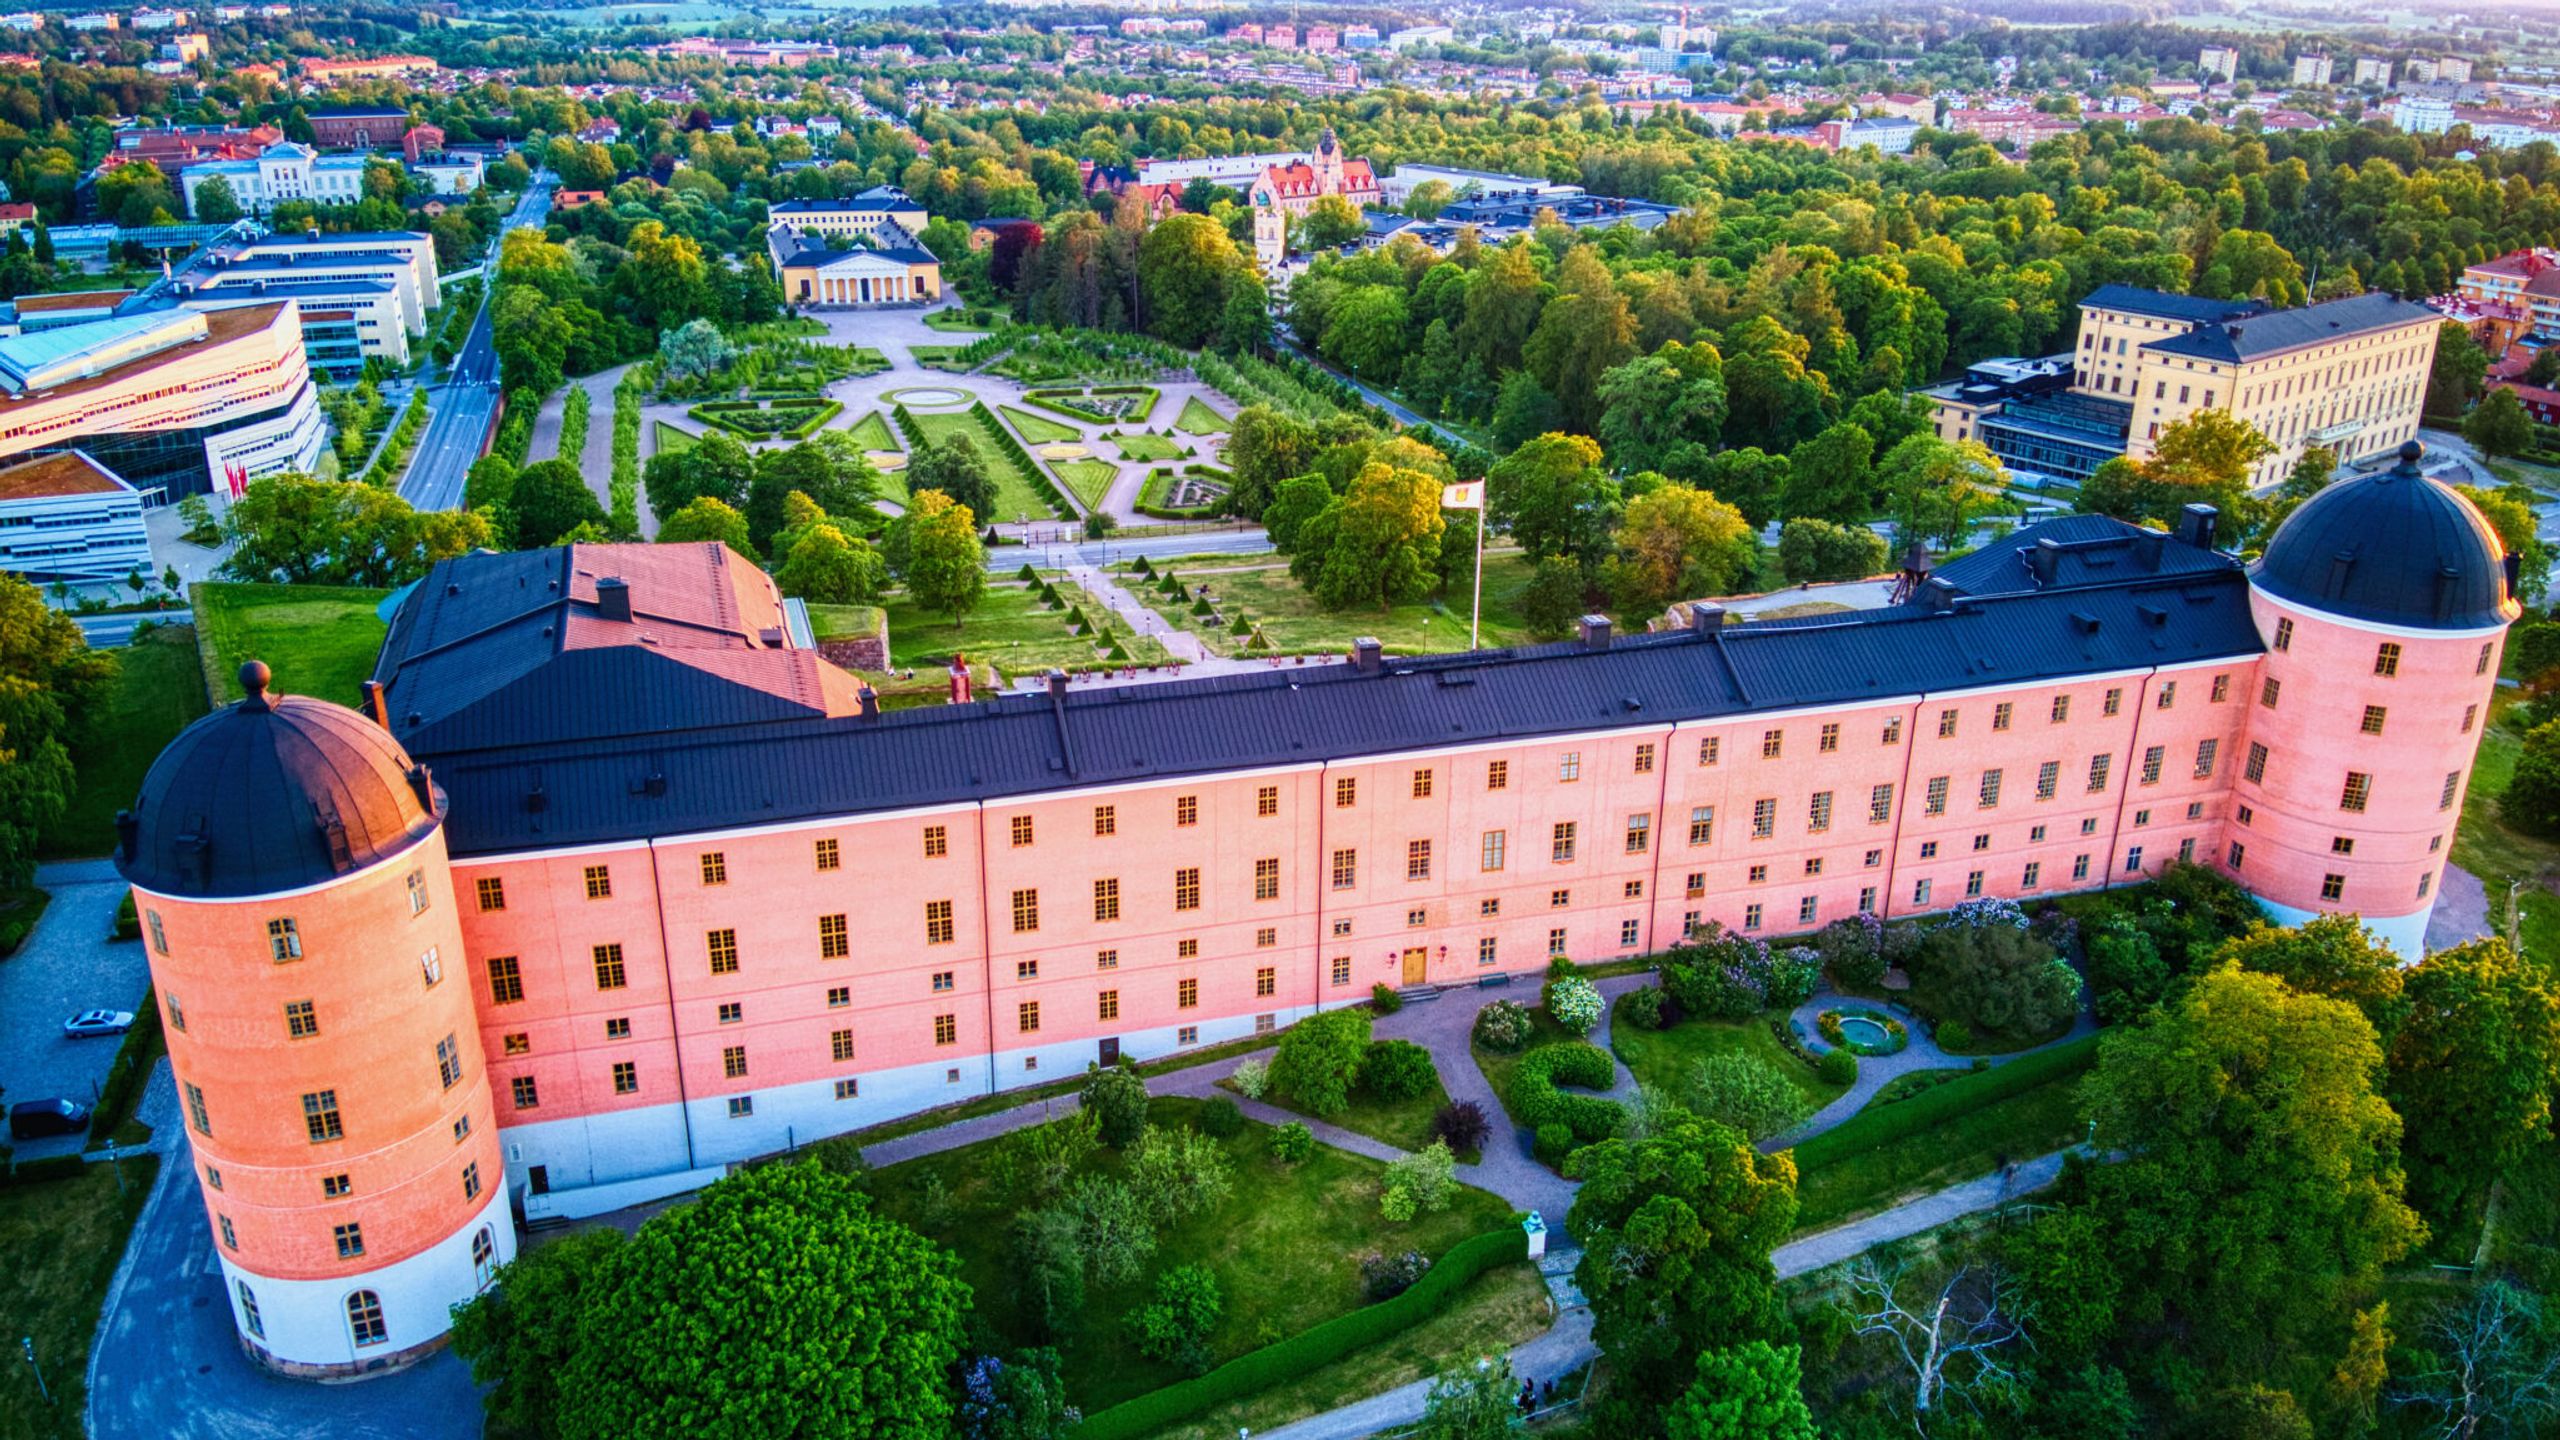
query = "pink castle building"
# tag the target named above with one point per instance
(706, 900)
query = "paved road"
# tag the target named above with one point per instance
(107, 631)
(66, 966)
(167, 1364)
(1094, 554)
(461, 410)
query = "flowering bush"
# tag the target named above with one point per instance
(1725, 976)
(1252, 1077)
(1504, 1025)
(1852, 951)
(1574, 1002)
(1987, 911)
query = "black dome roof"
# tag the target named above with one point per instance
(2395, 548)
(271, 794)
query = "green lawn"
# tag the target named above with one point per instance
(954, 321)
(1139, 445)
(1015, 494)
(871, 432)
(1012, 630)
(1496, 1311)
(830, 621)
(1090, 479)
(1198, 419)
(159, 687)
(940, 357)
(1037, 431)
(1285, 1246)
(318, 640)
(669, 439)
(1292, 621)
(1664, 1059)
(1924, 1141)
(2487, 847)
(60, 1241)
(1405, 1124)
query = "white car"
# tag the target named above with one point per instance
(98, 1022)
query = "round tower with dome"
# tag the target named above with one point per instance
(288, 861)
(2384, 603)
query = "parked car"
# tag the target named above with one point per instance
(98, 1022)
(35, 1119)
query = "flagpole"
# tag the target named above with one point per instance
(1475, 610)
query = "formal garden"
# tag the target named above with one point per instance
(777, 359)
(1290, 622)
(1021, 628)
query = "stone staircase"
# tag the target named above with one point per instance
(1416, 994)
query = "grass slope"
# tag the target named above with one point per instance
(1012, 630)
(1138, 445)
(1037, 431)
(1015, 494)
(1090, 479)
(318, 640)
(1291, 619)
(59, 1244)
(159, 688)
(1285, 1246)
(871, 432)
(1198, 419)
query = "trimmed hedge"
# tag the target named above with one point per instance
(1877, 1127)
(1035, 400)
(717, 412)
(1537, 1103)
(51, 1167)
(128, 1071)
(1151, 499)
(1313, 1347)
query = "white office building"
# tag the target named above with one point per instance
(67, 517)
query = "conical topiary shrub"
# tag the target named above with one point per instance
(1027, 575)
(1203, 607)
(1259, 641)
(1115, 652)
(1243, 626)
(1142, 567)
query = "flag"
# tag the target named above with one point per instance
(1469, 496)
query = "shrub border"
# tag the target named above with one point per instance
(1318, 1345)
(1873, 1129)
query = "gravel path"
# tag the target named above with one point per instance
(1877, 1071)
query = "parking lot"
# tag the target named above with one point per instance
(68, 965)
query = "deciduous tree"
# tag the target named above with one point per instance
(946, 562)
(2473, 1068)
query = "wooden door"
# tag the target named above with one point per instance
(1110, 1051)
(1415, 959)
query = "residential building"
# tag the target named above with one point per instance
(2220, 60)
(2348, 374)
(186, 49)
(2422, 114)
(1412, 35)
(2453, 70)
(66, 517)
(101, 20)
(864, 216)
(159, 19)
(357, 127)
(2312, 69)
(1890, 135)
(22, 21)
(2527, 278)
(575, 931)
(1283, 192)
(2421, 72)
(175, 402)
(2372, 70)
(381, 67)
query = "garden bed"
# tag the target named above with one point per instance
(1198, 419)
(791, 419)
(1090, 479)
(1037, 431)
(871, 432)
(1285, 1246)
(1861, 1031)
(1194, 495)
(1666, 1059)
(1109, 404)
(1145, 448)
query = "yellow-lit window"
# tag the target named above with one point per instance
(1026, 911)
(946, 1029)
(830, 855)
(1266, 879)
(1186, 889)
(599, 882)
(609, 971)
(1027, 1017)
(1266, 981)
(1346, 792)
(1186, 810)
(1186, 994)
(733, 1061)
(1107, 1005)
(723, 948)
(1497, 775)
(506, 980)
(1421, 784)
(1266, 800)
(937, 922)
(491, 890)
(835, 940)
(301, 1020)
(1106, 820)
(1021, 831)
(715, 868)
(1106, 899)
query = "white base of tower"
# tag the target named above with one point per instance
(305, 1321)
(2406, 934)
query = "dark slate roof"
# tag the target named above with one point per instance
(2395, 548)
(2088, 550)
(537, 794)
(2194, 309)
(271, 794)
(2282, 330)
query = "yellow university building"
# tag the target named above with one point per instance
(2348, 374)
(836, 254)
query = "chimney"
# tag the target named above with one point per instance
(1937, 596)
(375, 705)
(2149, 545)
(2513, 565)
(1367, 655)
(1057, 683)
(1595, 632)
(2046, 560)
(1706, 619)
(613, 598)
(2200, 522)
(868, 700)
(959, 679)
(423, 782)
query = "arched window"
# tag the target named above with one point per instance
(364, 1319)
(484, 1254)
(249, 1310)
